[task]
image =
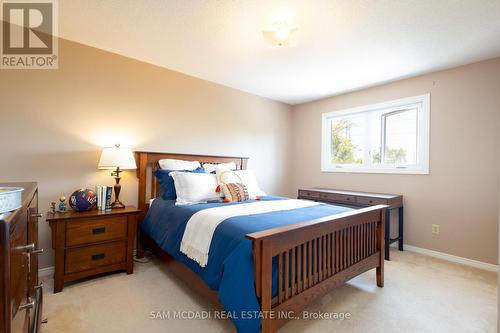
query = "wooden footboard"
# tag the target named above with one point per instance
(313, 258)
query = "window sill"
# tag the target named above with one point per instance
(377, 171)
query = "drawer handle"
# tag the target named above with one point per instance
(348, 199)
(36, 251)
(28, 248)
(97, 231)
(97, 256)
(30, 304)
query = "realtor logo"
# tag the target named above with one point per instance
(28, 30)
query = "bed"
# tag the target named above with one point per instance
(263, 269)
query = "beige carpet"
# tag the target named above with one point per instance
(421, 294)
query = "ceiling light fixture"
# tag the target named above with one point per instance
(280, 35)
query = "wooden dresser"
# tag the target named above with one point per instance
(20, 294)
(91, 243)
(363, 199)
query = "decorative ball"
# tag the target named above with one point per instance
(82, 200)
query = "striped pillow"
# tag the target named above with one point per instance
(234, 192)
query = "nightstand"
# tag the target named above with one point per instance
(92, 242)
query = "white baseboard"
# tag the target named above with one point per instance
(452, 258)
(47, 271)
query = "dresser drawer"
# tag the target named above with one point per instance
(308, 194)
(95, 230)
(370, 201)
(84, 258)
(337, 197)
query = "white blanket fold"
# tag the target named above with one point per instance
(201, 226)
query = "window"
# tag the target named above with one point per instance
(391, 137)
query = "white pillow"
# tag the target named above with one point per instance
(192, 188)
(209, 167)
(247, 178)
(171, 164)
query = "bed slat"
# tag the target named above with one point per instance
(287, 274)
(280, 278)
(293, 271)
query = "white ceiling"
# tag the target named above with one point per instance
(342, 45)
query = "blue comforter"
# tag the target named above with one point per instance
(230, 265)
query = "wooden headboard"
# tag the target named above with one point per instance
(147, 163)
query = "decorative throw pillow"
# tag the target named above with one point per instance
(245, 177)
(177, 165)
(212, 168)
(234, 192)
(166, 182)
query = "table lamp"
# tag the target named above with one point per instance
(117, 159)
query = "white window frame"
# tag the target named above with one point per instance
(421, 102)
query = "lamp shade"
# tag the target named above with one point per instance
(117, 157)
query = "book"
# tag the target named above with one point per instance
(98, 192)
(104, 194)
(109, 192)
(103, 198)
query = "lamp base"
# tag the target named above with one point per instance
(117, 204)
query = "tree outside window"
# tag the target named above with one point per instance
(343, 149)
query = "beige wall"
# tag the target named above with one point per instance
(53, 123)
(461, 192)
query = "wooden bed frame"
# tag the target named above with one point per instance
(314, 257)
